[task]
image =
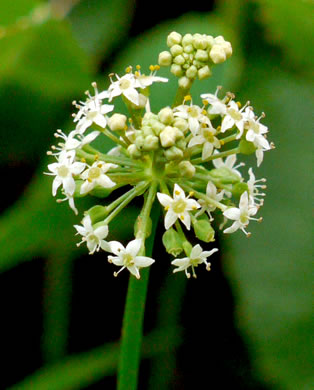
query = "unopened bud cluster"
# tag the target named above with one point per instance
(185, 156)
(192, 56)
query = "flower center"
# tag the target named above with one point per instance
(128, 259)
(244, 219)
(63, 171)
(125, 84)
(179, 206)
(92, 237)
(94, 173)
(193, 112)
(254, 126)
(208, 135)
(234, 114)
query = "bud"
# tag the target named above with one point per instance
(181, 124)
(117, 122)
(97, 213)
(165, 115)
(199, 41)
(187, 169)
(172, 242)
(151, 143)
(176, 50)
(217, 54)
(142, 100)
(179, 60)
(187, 40)
(173, 153)
(176, 70)
(134, 152)
(185, 82)
(225, 175)
(246, 147)
(239, 188)
(203, 229)
(168, 137)
(204, 72)
(165, 58)
(191, 72)
(201, 55)
(174, 38)
(157, 126)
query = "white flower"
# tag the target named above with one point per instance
(92, 111)
(233, 117)
(197, 256)
(194, 115)
(207, 139)
(147, 80)
(64, 170)
(255, 129)
(73, 141)
(128, 257)
(211, 192)
(177, 207)
(218, 107)
(126, 86)
(253, 189)
(229, 164)
(95, 175)
(241, 215)
(94, 238)
(70, 198)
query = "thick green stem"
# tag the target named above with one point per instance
(215, 156)
(181, 93)
(132, 328)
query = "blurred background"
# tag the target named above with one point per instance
(247, 323)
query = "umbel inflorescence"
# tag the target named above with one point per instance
(185, 155)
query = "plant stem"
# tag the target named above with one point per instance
(132, 328)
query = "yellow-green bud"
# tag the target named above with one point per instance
(151, 143)
(203, 229)
(246, 147)
(174, 38)
(185, 82)
(173, 153)
(191, 72)
(176, 70)
(210, 41)
(165, 58)
(181, 124)
(165, 115)
(168, 136)
(172, 242)
(225, 175)
(201, 55)
(157, 126)
(199, 41)
(147, 130)
(134, 152)
(217, 54)
(176, 50)
(179, 60)
(186, 169)
(187, 40)
(238, 189)
(117, 122)
(204, 72)
(101, 192)
(188, 49)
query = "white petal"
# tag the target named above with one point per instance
(196, 251)
(133, 247)
(207, 150)
(69, 185)
(232, 213)
(143, 261)
(100, 120)
(235, 226)
(164, 199)
(105, 181)
(81, 230)
(101, 232)
(170, 218)
(185, 218)
(116, 247)
(244, 201)
(86, 187)
(178, 192)
(132, 95)
(134, 271)
(55, 185)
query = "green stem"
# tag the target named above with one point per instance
(180, 95)
(215, 156)
(115, 139)
(132, 329)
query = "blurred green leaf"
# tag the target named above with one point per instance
(271, 272)
(290, 24)
(144, 50)
(10, 13)
(99, 25)
(46, 58)
(86, 368)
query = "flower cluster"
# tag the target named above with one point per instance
(185, 156)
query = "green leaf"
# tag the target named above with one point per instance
(78, 371)
(11, 14)
(290, 24)
(99, 25)
(144, 50)
(271, 271)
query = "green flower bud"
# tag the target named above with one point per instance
(188, 49)
(151, 143)
(165, 115)
(176, 50)
(174, 38)
(168, 137)
(117, 122)
(246, 147)
(186, 169)
(165, 58)
(201, 55)
(97, 213)
(187, 40)
(204, 72)
(238, 189)
(181, 144)
(217, 54)
(172, 242)
(203, 229)
(185, 82)
(191, 72)
(101, 192)
(179, 60)
(133, 151)
(147, 130)
(181, 124)
(210, 41)
(225, 175)
(187, 248)
(157, 126)
(173, 153)
(199, 41)
(176, 70)
(139, 141)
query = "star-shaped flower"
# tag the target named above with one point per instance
(206, 137)
(197, 256)
(64, 170)
(95, 175)
(128, 257)
(233, 117)
(177, 207)
(194, 115)
(211, 192)
(94, 238)
(218, 106)
(241, 215)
